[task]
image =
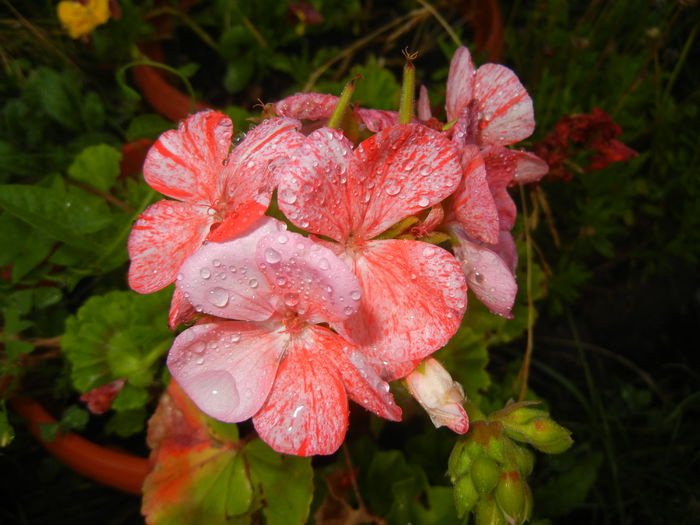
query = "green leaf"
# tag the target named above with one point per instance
(74, 418)
(92, 111)
(377, 88)
(569, 487)
(117, 335)
(23, 246)
(96, 166)
(59, 95)
(66, 214)
(127, 423)
(7, 433)
(148, 126)
(286, 483)
(130, 397)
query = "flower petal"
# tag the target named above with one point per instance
(414, 297)
(364, 385)
(249, 173)
(186, 163)
(307, 410)
(307, 106)
(488, 276)
(397, 172)
(164, 235)
(223, 279)
(500, 170)
(227, 367)
(423, 106)
(376, 120)
(504, 109)
(308, 278)
(460, 83)
(310, 187)
(529, 167)
(181, 310)
(473, 204)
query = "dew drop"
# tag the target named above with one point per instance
(287, 195)
(355, 294)
(291, 299)
(215, 391)
(281, 281)
(198, 347)
(428, 252)
(253, 283)
(272, 256)
(323, 263)
(392, 189)
(282, 239)
(211, 211)
(348, 310)
(180, 277)
(216, 263)
(199, 361)
(478, 277)
(235, 337)
(423, 202)
(218, 297)
(204, 273)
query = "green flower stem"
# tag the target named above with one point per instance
(408, 89)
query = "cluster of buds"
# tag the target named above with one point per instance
(329, 252)
(489, 467)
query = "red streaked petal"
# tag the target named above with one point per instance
(414, 297)
(397, 172)
(460, 83)
(423, 106)
(308, 278)
(238, 221)
(250, 171)
(311, 193)
(227, 367)
(529, 167)
(488, 276)
(473, 203)
(364, 385)
(307, 106)
(187, 163)
(307, 410)
(376, 120)
(223, 279)
(505, 112)
(164, 235)
(181, 310)
(507, 250)
(500, 165)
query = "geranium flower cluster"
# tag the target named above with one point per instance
(351, 280)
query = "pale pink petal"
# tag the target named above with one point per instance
(227, 367)
(460, 83)
(364, 385)
(223, 279)
(250, 171)
(308, 278)
(507, 250)
(473, 204)
(186, 163)
(503, 107)
(529, 168)
(307, 410)
(399, 171)
(313, 183)
(423, 106)
(181, 310)
(307, 106)
(376, 120)
(163, 236)
(500, 169)
(435, 217)
(488, 275)
(439, 395)
(414, 297)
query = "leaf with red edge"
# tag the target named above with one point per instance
(198, 476)
(165, 234)
(186, 163)
(414, 297)
(307, 411)
(503, 108)
(473, 203)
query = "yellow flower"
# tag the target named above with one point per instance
(79, 19)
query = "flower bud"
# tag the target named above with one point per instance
(439, 395)
(519, 457)
(465, 495)
(460, 460)
(542, 433)
(511, 495)
(485, 474)
(488, 513)
(518, 413)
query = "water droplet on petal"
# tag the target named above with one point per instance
(272, 256)
(392, 189)
(348, 310)
(253, 283)
(216, 263)
(198, 347)
(287, 195)
(355, 294)
(204, 273)
(281, 281)
(479, 278)
(199, 361)
(218, 297)
(423, 202)
(235, 337)
(323, 263)
(428, 252)
(282, 239)
(215, 391)
(291, 299)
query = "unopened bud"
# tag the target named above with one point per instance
(465, 495)
(485, 474)
(542, 433)
(460, 460)
(518, 413)
(510, 494)
(519, 457)
(488, 513)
